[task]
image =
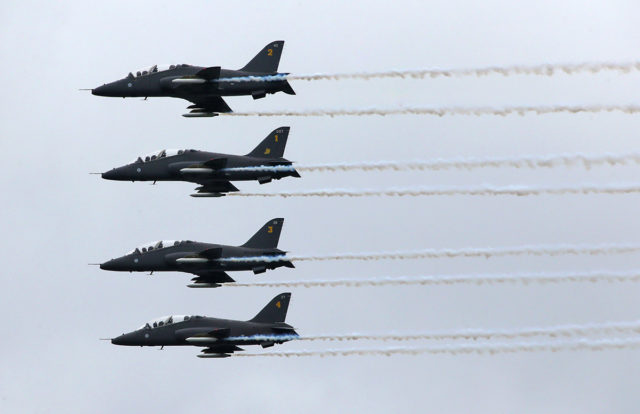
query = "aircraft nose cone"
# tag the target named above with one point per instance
(119, 340)
(99, 91)
(109, 175)
(109, 265)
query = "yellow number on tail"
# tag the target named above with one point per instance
(269, 52)
(267, 151)
(270, 229)
(278, 305)
(276, 137)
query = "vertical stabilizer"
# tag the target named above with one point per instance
(273, 145)
(267, 237)
(275, 311)
(267, 61)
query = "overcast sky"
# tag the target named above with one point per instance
(57, 218)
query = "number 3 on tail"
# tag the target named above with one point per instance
(269, 52)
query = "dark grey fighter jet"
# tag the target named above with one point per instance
(211, 170)
(220, 337)
(205, 260)
(205, 86)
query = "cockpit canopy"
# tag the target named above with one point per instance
(161, 154)
(148, 247)
(167, 320)
(153, 69)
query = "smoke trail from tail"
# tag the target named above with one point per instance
(540, 70)
(484, 190)
(440, 112)
(582, 330)
(466, 349)
(479, 279)
(473, 252)
(549, 161)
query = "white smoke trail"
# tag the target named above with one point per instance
(479, 279)
(549, 161)
(440, 112)
(582, 330)
(485, 252)
(465, 349)
(484, 190)
(540, 70)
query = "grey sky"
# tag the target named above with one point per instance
(57, 218)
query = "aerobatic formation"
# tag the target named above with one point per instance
(209, 263)
(213, 172)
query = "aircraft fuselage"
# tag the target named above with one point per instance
(176, 168)
(183, 257)
(163, 84)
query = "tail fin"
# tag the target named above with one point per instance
(267, 237)
(273, 145)
(267, 60)
(275, 311)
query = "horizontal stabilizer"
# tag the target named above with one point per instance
(288, 89)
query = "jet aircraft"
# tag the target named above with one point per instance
(211, 170)
(205, 86)
(219, 337)
(209, 262)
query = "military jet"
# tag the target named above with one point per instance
(205, 86)
(211, 170)
(209, 262)
(220, 337)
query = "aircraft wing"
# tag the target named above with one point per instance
(216, 163)
(210, 278)
(219, 351)
(214, 189)
(213, 253)
(212, 72)
(207, 106)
